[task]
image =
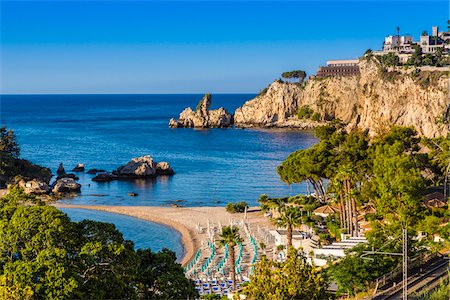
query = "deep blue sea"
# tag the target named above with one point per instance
(212, 166)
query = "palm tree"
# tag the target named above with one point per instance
(230, 236)
(263, 247)
(290, 217)
(344, 182)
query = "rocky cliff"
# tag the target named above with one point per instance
(374, 100)
(203, 117)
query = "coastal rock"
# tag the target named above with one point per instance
(272, 108)
(105, 177)
(95, 171)
(163, 168)
(33, 186)
(374, 100)
(140, 167)
(143, 166)
(203, 117)
(78, 168)
(67, 175)
(66, 185)
(60, 170)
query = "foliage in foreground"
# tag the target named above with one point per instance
(355, 273)
(388, 173)
(293, 279)
(442, 292)
(44, 255)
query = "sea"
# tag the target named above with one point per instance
(212, 166)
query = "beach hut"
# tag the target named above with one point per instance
(434, 200)
(325, 211)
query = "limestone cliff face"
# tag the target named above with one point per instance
(373, 100)
(275, 107)
(203, 117)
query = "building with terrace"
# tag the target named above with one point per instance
(339, 68)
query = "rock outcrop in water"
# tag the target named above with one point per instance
(140, 167)
(60, 170)
(374, 100)
(66, 185)
(78, 168)
(203, 117)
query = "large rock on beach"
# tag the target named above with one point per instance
(66, 185)
(203, 117)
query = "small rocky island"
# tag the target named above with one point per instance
(140, 167)
(39, 183)
(203, 117)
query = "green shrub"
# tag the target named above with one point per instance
(305, 112)
(230, 207)
(211, 297)
(199, 105)
(238, 207)
(315, 117)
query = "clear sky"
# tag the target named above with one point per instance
(190, 46)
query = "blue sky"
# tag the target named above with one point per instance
(190, 46)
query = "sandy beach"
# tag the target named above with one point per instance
(185, 220)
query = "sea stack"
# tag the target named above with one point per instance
(203, 117)
(60, 170)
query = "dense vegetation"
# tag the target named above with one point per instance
(417, 59)
(293, 279)
(305, 112)
(44, 255)
(388, 173)
(296, 74)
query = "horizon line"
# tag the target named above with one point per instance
(81, 94)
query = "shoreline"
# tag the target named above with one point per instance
(188, 239)
(185, 220)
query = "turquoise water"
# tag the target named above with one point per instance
(144, 234)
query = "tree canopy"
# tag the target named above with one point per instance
(387, 173)
(10, 163)
(299, 74)
(44, 255)
(293, 279)
(8, 142)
